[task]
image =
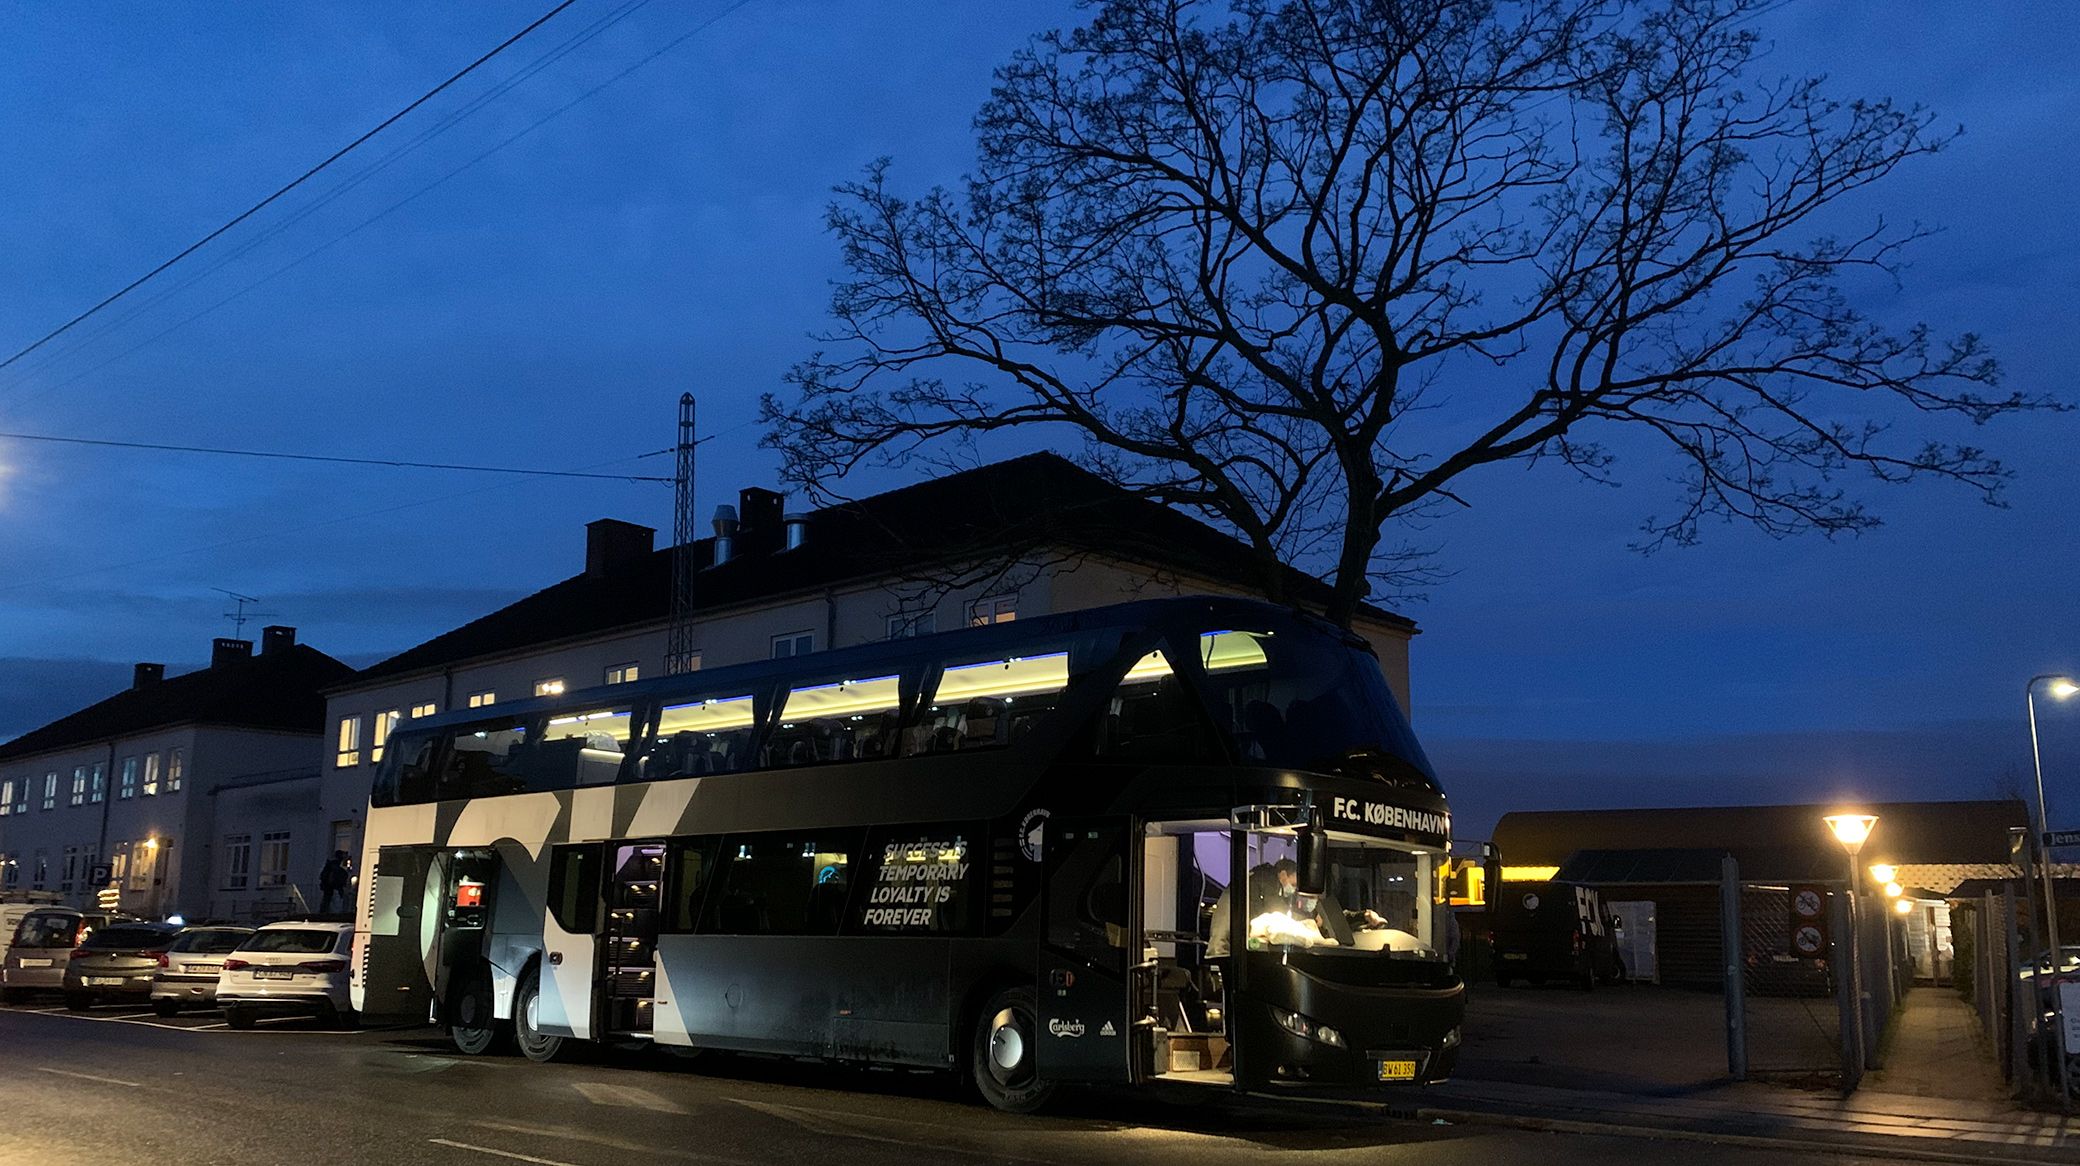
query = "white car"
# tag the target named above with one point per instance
(291, 967)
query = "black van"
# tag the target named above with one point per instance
(1553, 931)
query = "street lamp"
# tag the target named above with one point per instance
(1883, 872)
(2060, 688)
(1851, 830)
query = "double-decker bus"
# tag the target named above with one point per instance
(1180, 840)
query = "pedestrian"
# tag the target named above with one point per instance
(333, 882)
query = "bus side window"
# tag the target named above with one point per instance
(1150, 717)
(691, 863)
(574, 888)
(485, 762)
(406, 776)
(782, 884)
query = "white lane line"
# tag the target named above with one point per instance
(612, 1143)
(628, 1096)
(92, 1077)
(499, 1153)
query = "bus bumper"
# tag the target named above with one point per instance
(1298, 1031)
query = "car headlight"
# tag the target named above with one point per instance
(1307, 1029)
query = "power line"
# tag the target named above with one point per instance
(300, 180)
(351, 461)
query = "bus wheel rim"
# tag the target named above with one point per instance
(1007, 1044)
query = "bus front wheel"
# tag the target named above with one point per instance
(475, 1030)
(1003, 1056)
(535, 1045)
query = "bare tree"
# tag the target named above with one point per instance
(1301, 265)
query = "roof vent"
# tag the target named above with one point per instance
(797, 531)
(725, 533)
(276, 639)
(145, 674)
(224, 650)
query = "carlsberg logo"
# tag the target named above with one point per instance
(1393, 817)
(1065, 1027)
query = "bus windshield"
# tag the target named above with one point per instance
(1378, 900)
(1309, 702)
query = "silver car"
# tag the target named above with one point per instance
(188, 975)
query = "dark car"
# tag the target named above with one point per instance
(1554, 931)
(117, 963)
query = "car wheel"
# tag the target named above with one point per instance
(475, 1030)
(1003, 1055)
(535, 1044)
(236, 1017)
(166, 1008)
(78, 1001)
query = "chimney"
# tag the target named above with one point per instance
(725, 534)
(145, 674)
(797, 531)
(276, 640)
(224, 650)
(761, 534)
(611, 545)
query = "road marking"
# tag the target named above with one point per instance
(499, 1153)
(611, 1143)
(92, 1077)
(627, 1096)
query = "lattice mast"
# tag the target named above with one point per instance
(678, 652)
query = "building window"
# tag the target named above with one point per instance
(238, 861)
(349, 753)
(903, 625)
(175, 767)
(40, 874)
(97, 791)
(146, 854)
(999, 609)
(623, 673)
(21, 799)
(343, 838)
(6, 797)
(79, 786)
(151, 774)
(478, 700)
(385, 722)
(118, 866)
(794, 644)
(274, 859)
(424, 710)
(128, 788)
(553, 686)
(50, 792)
(70, 873)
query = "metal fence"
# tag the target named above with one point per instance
(2013, 1000)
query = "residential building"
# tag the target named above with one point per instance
(136, 798)
(1005, 541)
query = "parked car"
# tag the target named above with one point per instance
(1553, 931)
(116, 963)
(14, 905)
(42, 947)
(299, 966)
(187, 974)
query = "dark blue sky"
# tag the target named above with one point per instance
(545, 306)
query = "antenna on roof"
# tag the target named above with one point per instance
(238, 615)
(678, 651)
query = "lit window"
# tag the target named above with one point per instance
(903, 625)
(349, 742)
(550, 687)
(424, 710)
(50, 798)
(274, 859)
(6, 797)
(238, 861)
(98, 791)
(385, 721)
(151, 774)
(794, 644)
(127, 784)
(623, 673)
(146, 854)
(79, 786)
(1000, 609)
(176, 768)
(478, 700)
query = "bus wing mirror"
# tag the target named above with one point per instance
(1312, 857)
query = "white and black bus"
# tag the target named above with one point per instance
(1016, 852)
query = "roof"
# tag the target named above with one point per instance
(1769, 841)
(282, 690)
(1000, 511)
(1667, 867)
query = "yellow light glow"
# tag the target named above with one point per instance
(1223, 650)
(844, 698)
(1150, 667)
(707, 716)
(607, 721)
(1894, 890)
(1528, 874)
(1883, 872)
(2063, 688)
(151, 844)
(1019, 676)
(1904, 906)
(1851, 829)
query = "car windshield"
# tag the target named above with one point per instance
(211, 941)
(45, 929)
(1305, 701)
(293, 939)
(126, 938)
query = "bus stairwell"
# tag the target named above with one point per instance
(628, 972)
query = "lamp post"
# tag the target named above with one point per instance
(1851, 830)
(2060, 687)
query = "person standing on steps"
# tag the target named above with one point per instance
(333, 882)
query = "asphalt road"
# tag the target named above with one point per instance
(117, 1085)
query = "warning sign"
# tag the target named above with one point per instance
(1808, 930)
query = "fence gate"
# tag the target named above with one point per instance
(1788, 996)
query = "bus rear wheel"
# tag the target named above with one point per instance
(1003, 1055)
(535, 1045)
(475, 1030)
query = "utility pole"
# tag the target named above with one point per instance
(678, 652)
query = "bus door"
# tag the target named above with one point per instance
(1086, 981)
(467, 881)
(628, 950)
(396, 966)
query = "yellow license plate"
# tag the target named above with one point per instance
(1397, 1070)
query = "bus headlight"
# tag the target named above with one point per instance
(1307, 1029)
(1451, 1040)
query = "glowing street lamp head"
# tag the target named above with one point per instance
(1851, 829)
(2063, 687)
(1883, 872)
(1894, 890)
(1904, 906)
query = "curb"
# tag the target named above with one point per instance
(1901, 1149)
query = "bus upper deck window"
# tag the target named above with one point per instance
(702, 737)
(843, 721)
(994, 702)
